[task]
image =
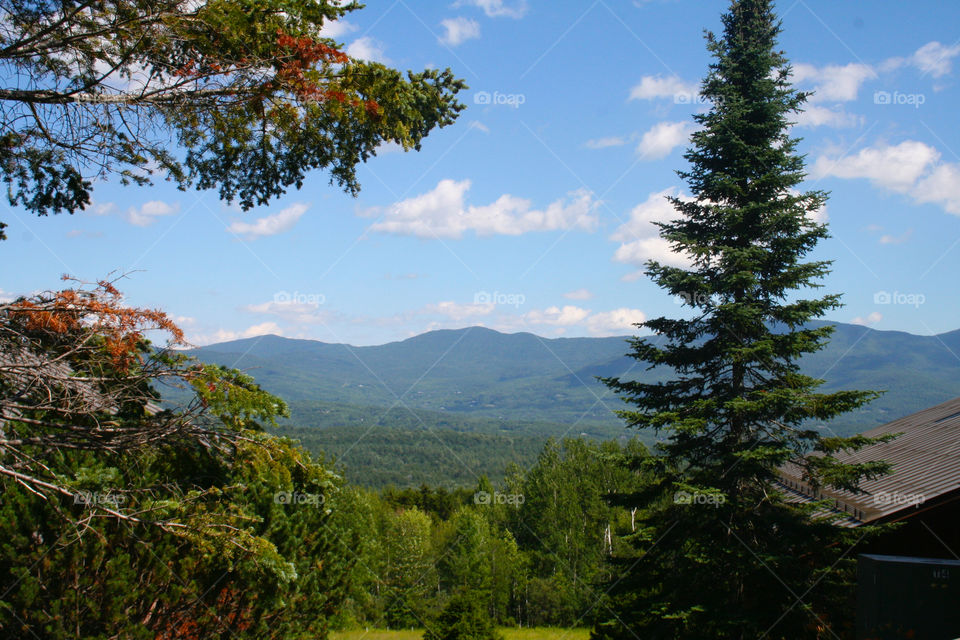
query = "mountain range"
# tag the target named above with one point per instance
(525, 387)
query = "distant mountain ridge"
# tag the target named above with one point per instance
(481, 377)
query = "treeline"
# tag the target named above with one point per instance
(530, 550)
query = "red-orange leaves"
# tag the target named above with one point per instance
(302, 54)
(188, 69)
(100, 311)
(308, 51)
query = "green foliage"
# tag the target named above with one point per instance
(503, 544)
(438, 502)
(567, 528)
(723, 554)
(251, 94)
(208, 528)
(407, 458)
(464, 618)
(408, 548)
(261, 568)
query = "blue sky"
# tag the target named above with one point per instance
(533, 212)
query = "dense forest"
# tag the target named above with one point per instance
(153, 492)
(532, 549)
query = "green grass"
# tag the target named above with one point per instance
(509, 633)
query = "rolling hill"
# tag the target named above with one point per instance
(521, 386)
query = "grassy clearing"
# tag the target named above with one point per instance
(509, 633)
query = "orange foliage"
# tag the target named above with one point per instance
(304, 52)
(99, 310)
(308, 51)
(186, 70)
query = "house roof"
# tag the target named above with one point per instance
(926, 468)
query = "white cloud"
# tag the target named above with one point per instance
(603, 143)
(933, 58)
(941, 186)
(615, 322)
(269, 225)
(102, 208)
(578, 294)
(817, 116)
(148, 213)
(820, 216)
(459, 312)
(892, 239)
(873, 318)
(479, 126)
(652, 87)
(367, 48)
(389, 146)
(292, 311)
(497, 8)
(639, 237)
(663, 138)
(459, 30)
(833, 82)
(894, 167)
(911, 168)
(224, 335)
(566, 316)
(443, 212)
(336, 28)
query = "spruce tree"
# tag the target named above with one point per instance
(720, 553)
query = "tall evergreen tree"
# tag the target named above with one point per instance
(720, 552)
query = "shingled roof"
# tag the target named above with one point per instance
(926, 470)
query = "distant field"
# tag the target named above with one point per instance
(509, 633)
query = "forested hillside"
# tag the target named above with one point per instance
(447, 406)
(508, 379)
